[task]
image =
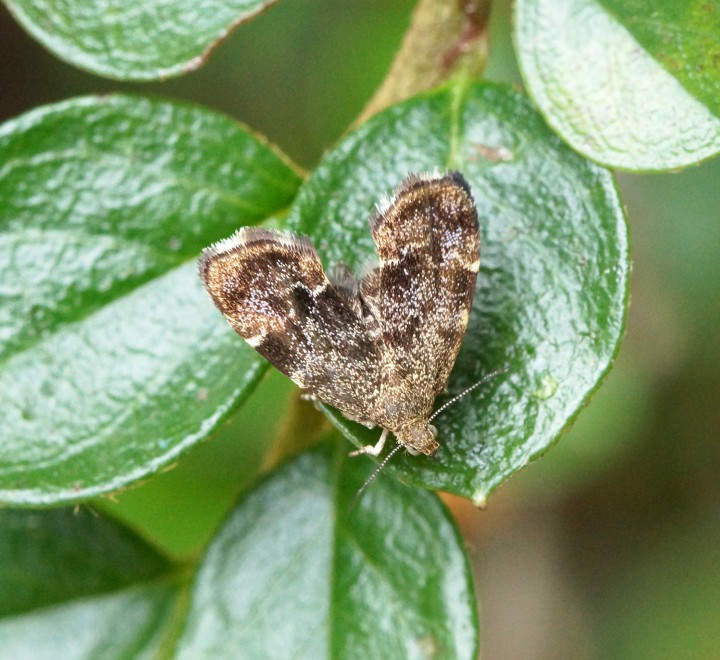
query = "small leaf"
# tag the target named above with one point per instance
(133, 40)
(112, 358)
(552, 290)
(66, 580)
(632, 89)
(294, 573)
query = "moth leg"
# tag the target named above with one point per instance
(308, 397)
(373, 450)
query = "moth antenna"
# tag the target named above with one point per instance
(375, 473)
(484, 379)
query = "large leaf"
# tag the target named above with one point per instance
(131, 39)
(635, 89)
(552, 290)
(67, 579)
(683, 36)
(112, 358)
(295, 573)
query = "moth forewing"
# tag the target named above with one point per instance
(379, 350)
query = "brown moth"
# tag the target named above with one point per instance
(380, 348)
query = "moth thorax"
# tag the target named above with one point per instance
(419, 438)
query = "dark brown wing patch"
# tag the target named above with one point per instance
(428, 242)
(381, 349)
(272, 289)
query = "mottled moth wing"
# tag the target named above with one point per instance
(378, 350)
(272, 289)
(428, 241)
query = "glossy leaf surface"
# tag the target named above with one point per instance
(294, 572)
(133, 40)
(682, 36)
(552, 290)
(112, 357)
(630, 88)
(73, 585)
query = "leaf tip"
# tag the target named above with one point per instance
(479, 499)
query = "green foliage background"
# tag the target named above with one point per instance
(607, 547)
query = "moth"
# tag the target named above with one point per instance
(378, 348)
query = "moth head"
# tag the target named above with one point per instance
(419, 439)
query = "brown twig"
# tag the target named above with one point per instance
(445, 36)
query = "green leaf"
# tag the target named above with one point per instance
(205, 485)
(66, 580)
(112, 358)
(133, 40)
(683, 36)
(630, 89)
(552, 290)
(295, 573)
(95, 555)
(130, 624)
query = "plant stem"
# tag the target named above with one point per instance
(300, 429)
(445, 36)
